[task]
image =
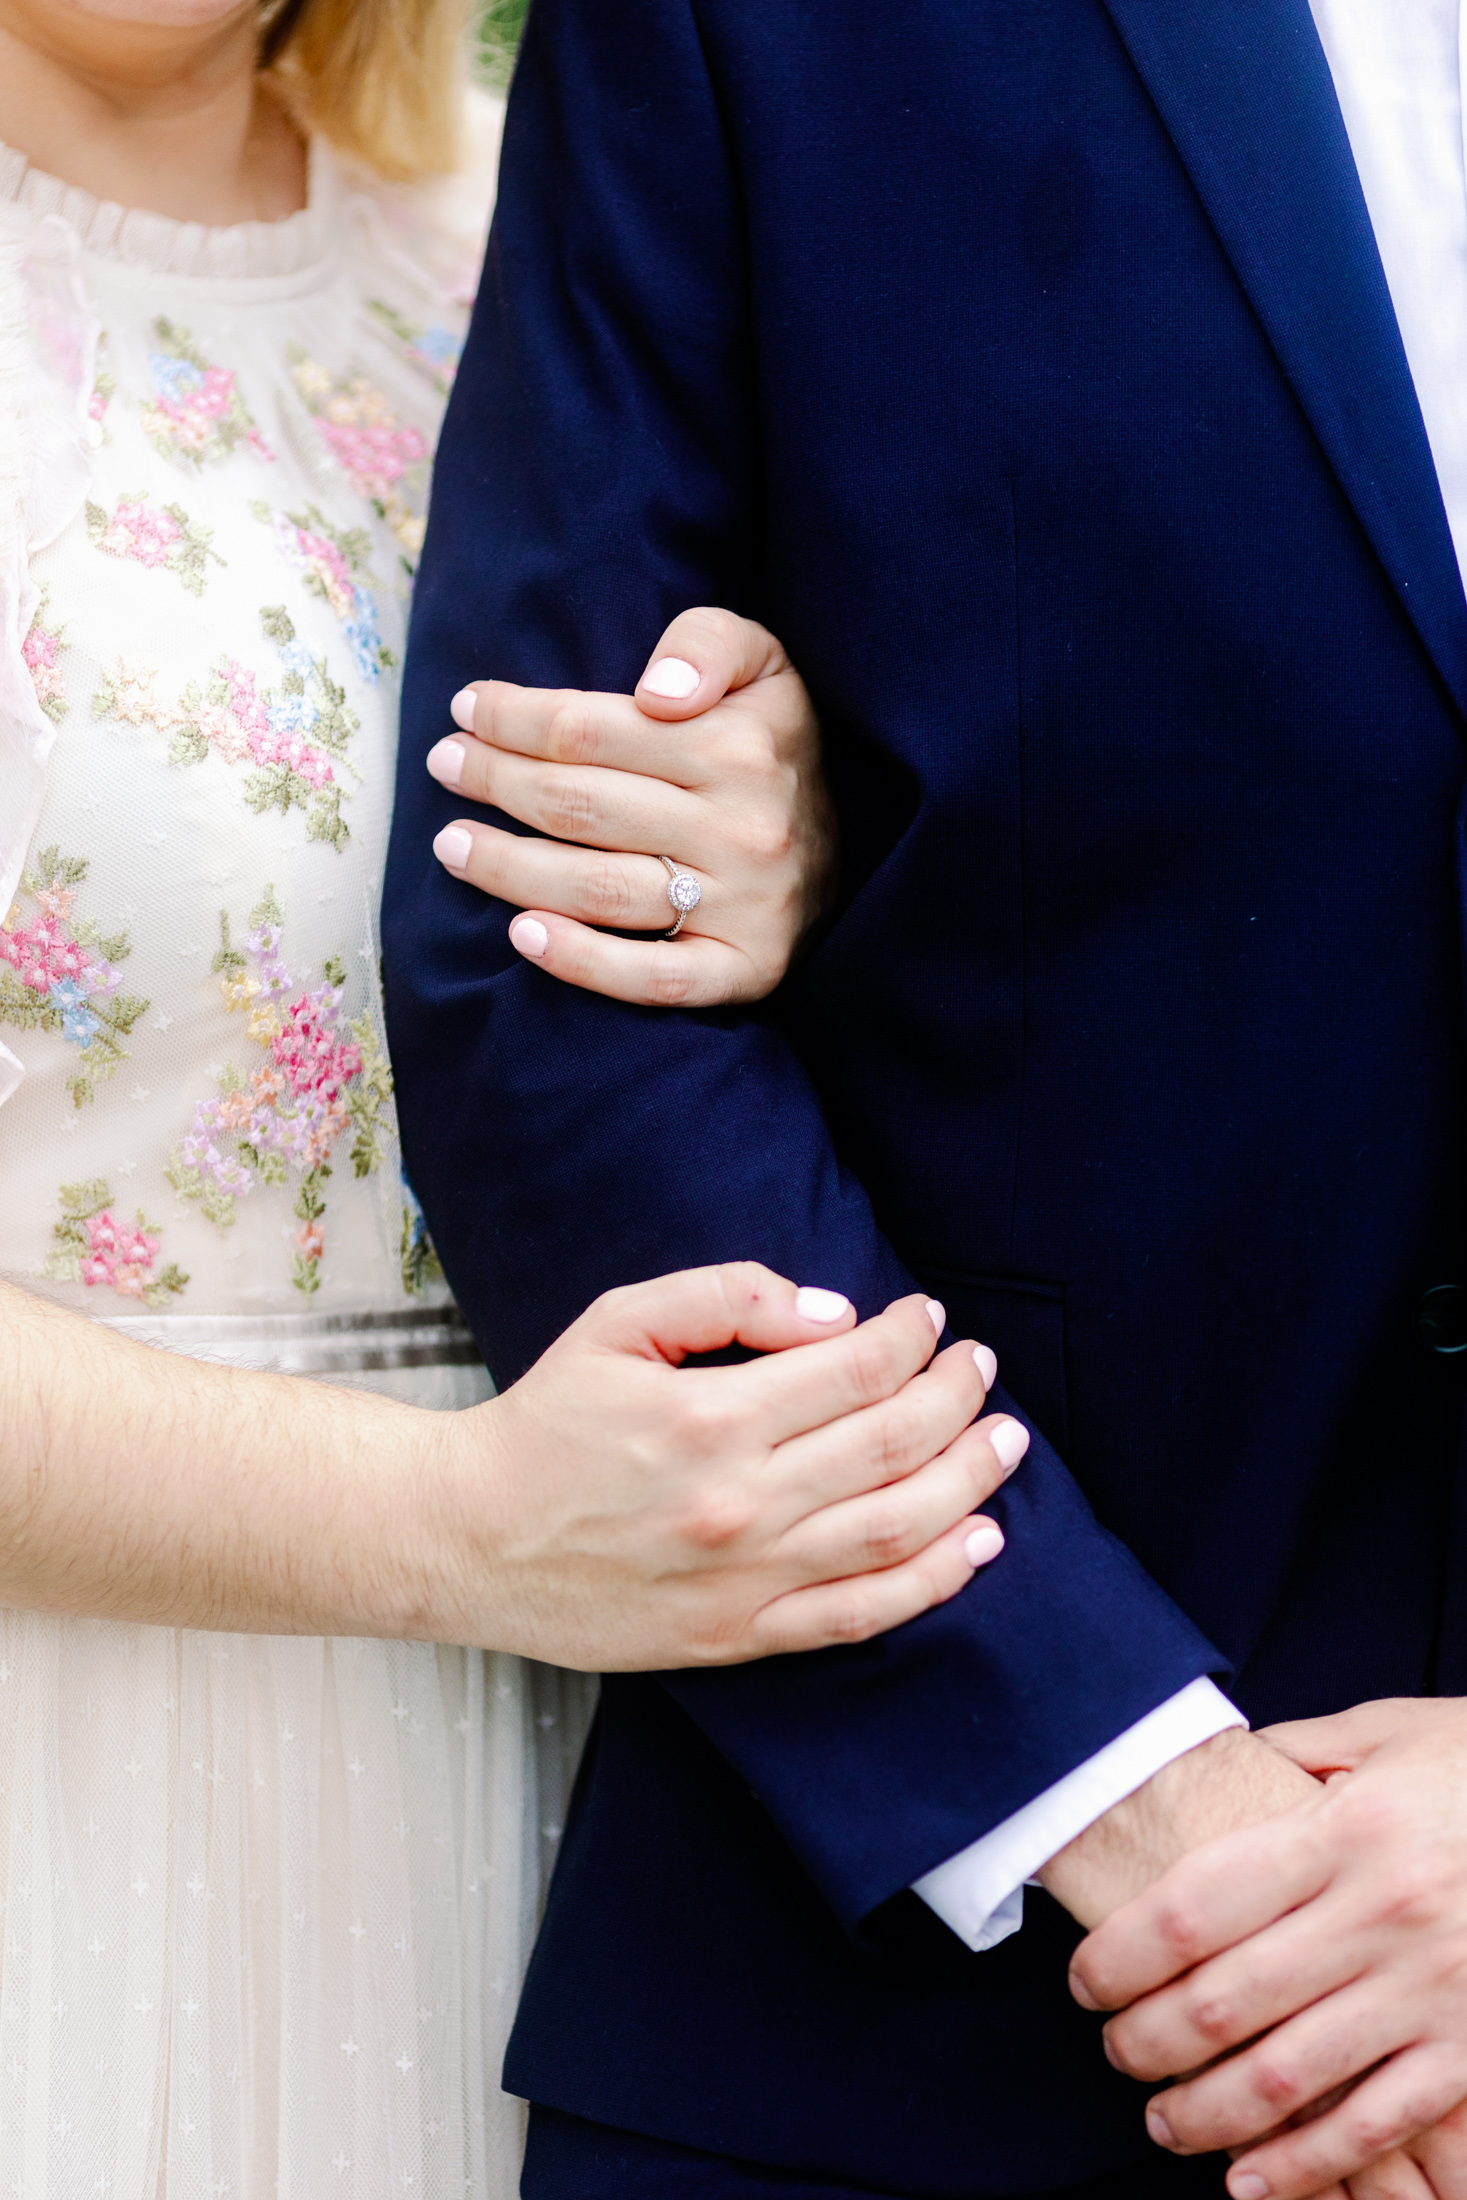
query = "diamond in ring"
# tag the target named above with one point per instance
(683, 891)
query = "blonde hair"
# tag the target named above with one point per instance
(382, 79)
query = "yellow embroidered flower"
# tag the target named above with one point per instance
(265, 1025)
(238, 992)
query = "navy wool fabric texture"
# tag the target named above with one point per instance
(1028, 367)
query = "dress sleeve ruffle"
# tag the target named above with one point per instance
(48, 348)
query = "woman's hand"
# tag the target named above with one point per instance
(615, 782)
(610, 1510)
(616, 1511)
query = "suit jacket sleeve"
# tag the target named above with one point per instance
(599, 472)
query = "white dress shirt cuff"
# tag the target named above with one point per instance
(980, 1891)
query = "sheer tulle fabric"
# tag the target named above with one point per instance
(266, 1904)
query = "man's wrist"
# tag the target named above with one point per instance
(1233, 1780)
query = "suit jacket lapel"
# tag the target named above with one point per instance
(1246, 95)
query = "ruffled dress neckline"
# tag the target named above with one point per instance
(160, 245)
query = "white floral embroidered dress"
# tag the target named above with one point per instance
(263, 1903)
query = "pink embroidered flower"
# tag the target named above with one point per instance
(376, 457)
(39, 651)
(378, 453)
(196, 412)
(55, 902)
(57, 974)
(95, 1247)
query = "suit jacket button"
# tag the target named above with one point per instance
(1440, 1320)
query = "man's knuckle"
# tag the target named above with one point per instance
(1179, 1928)
(718, 1519)
(1370, 2130)
(1277, 2081)
(1413, 1894)
(1214, 2018)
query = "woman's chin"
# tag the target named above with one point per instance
(163, 14)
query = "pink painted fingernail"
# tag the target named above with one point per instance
(984, 1543)
(1010, 1441)
(461, 709)
(937, 1315)
(986, 1362)
(673, 677)
(814, 1305)
(1246, 2184)
(453, 847)
(445, 761)
(529, 936)
(1157, 2125)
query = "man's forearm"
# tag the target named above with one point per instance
(139, 1485)
(1234, 1780)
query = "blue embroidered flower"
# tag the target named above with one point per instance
(80, 1025)
(361, 633)
(176, 378)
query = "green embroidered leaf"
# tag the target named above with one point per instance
(229, 960)
(169, 1284)
(187, 745)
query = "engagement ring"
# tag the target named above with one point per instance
(683, 891)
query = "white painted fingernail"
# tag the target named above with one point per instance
(446, 762)
(673, 677)
(461, 709)
(1010, 1441)
(986, 1363)
(937, 1315)
(453, 847)
(984, 1543)
(529, 936)
(814, 1305)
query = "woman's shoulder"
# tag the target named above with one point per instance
(435, 229)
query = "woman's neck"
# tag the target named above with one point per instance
(163, 114)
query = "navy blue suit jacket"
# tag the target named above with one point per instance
(1028, 367)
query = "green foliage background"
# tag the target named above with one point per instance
(500, 24)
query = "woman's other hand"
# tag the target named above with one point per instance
(616, 1511)
(714, 763)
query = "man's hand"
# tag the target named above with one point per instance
(1234, 1780)
(1334, 1938)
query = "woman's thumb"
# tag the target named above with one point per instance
(704, 655)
